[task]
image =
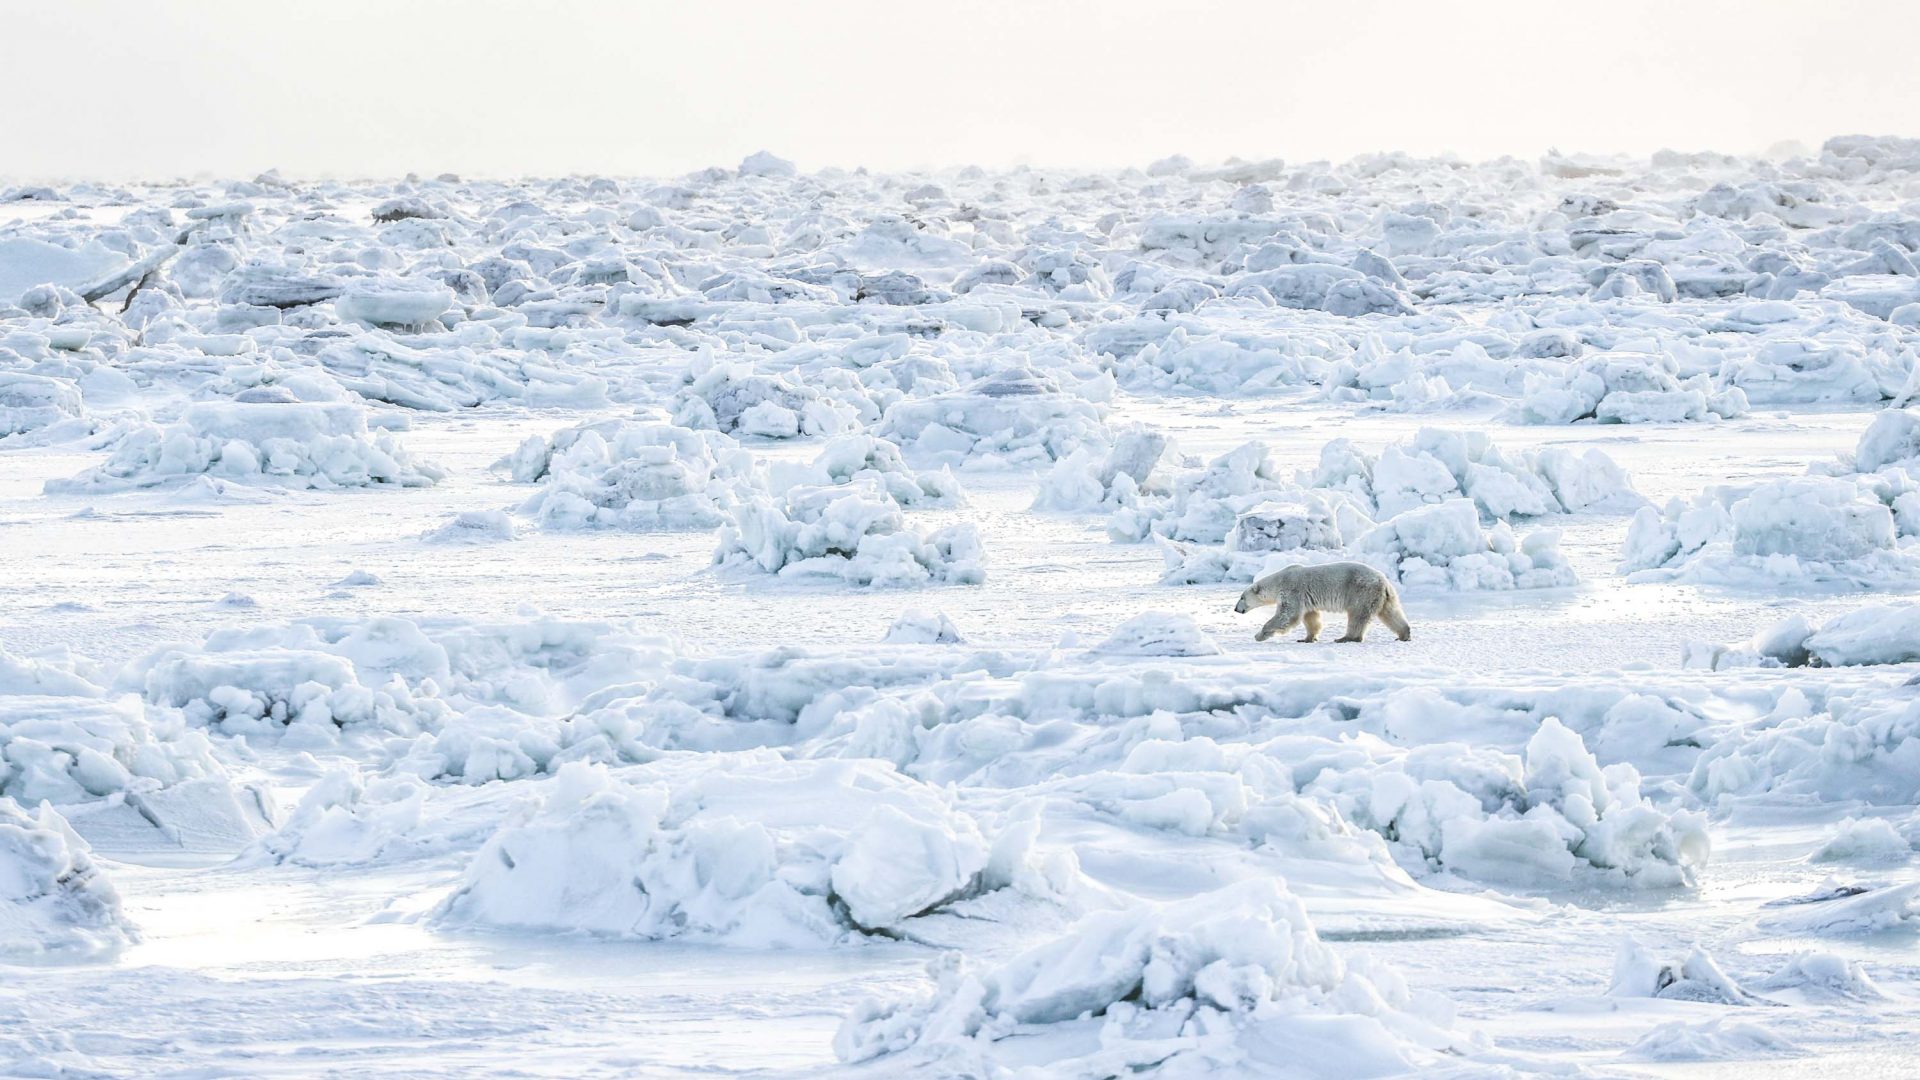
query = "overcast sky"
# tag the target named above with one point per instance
(123, 88)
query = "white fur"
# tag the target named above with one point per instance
(1301, 593)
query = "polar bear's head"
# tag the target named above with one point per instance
(1268, 590)
(1260, 593)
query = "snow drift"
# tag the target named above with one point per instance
(1234, 982)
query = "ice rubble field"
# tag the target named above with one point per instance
(780, 623)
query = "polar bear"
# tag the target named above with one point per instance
(1302, 592)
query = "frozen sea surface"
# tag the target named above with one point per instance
(478, 628)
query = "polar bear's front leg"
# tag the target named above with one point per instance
(1312, 619)
(1282, 621)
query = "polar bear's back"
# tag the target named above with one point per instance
(1341, 586)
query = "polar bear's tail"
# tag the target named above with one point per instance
(1393, 616)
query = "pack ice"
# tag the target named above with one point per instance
(776, 621)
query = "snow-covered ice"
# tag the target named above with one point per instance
(778, 621)
(1229, 981)
(296, 443)
(54, 899)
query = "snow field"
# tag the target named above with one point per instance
(550, 621)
